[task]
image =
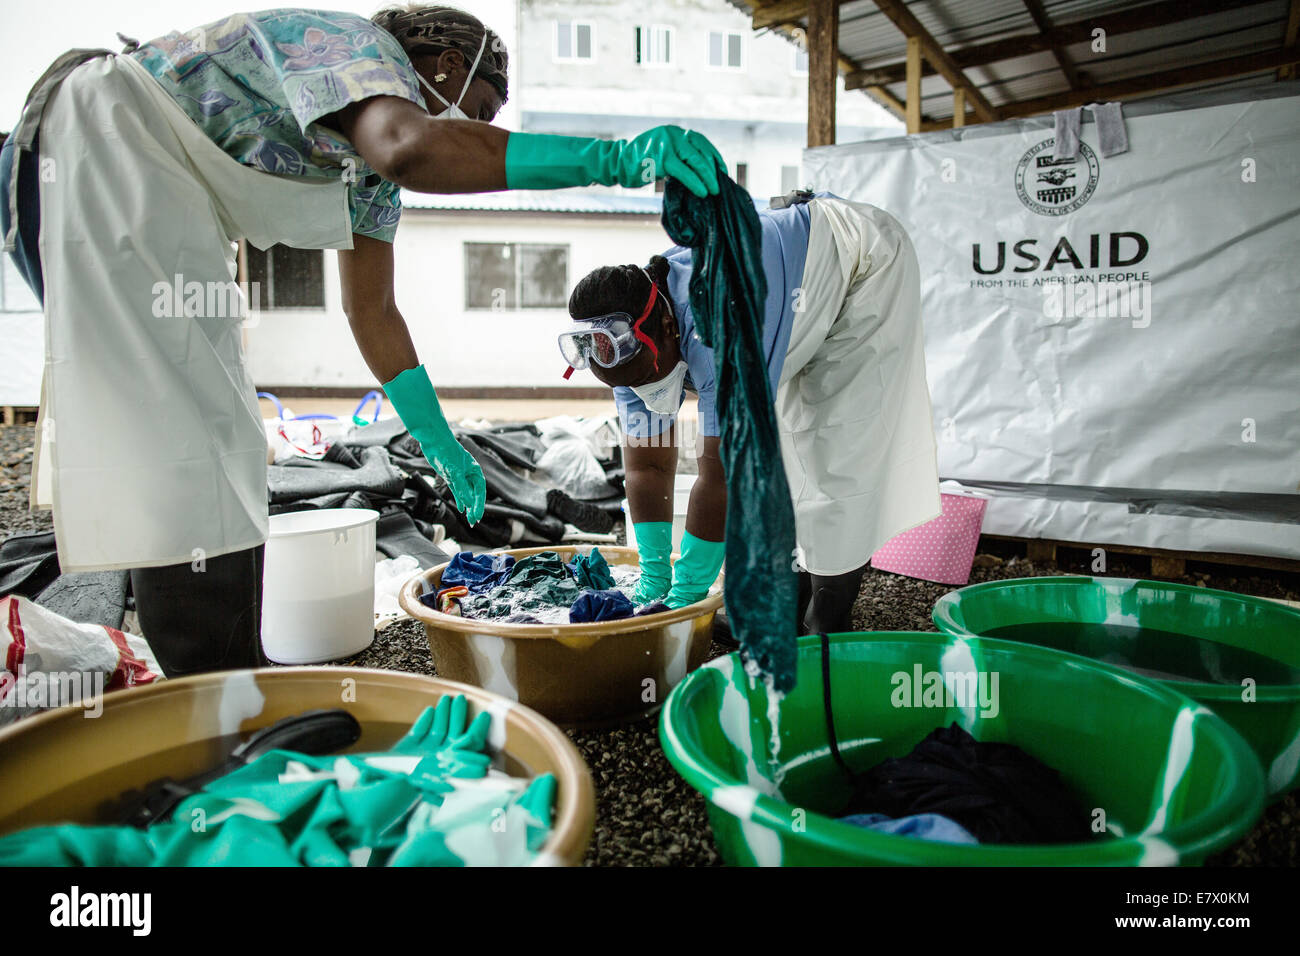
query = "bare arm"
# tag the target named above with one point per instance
(366, 277)
(706, 515)
(650, 466)
(407, 146)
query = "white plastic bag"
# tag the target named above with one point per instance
(390, 575)
(569, 464)
(303, 437)
(573, 447)
(50, 661)
(602, 435)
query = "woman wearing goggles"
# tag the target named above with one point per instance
(608, 340)
(843, 340)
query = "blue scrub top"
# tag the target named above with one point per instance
(785, 249)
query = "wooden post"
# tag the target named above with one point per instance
(913, 85)
(1167, 567)
(823, 70)
(939, 58)
(1040, 551)
(959, 107)
(1287, 72)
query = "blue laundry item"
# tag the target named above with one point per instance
(995, 790)
(592, 571)
(652, 608)
(537, 582)
(26, 254)
(600, 606)
(478, 572)
(922, 826)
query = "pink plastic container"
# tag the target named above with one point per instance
(941, 550)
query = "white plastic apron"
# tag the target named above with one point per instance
(151, 442)
(853, 406)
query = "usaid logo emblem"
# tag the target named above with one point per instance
(1053, 187)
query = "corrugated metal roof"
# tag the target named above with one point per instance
(571, 201)
(581, 201)
(871, 40)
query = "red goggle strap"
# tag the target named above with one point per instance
(636, 327)
(645, 314)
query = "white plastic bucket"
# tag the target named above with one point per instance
(318, 588)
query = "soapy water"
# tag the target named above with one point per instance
(774, 697)
(626, 577)
(1163, 655)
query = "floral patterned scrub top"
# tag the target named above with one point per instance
(257, 82)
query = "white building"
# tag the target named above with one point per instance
(483, 281)
(615, 68)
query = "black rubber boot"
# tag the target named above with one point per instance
(829, 608)
(722, 630)
(203, 620)
(580, 514)
(801, 607)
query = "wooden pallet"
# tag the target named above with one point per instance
(13, 414)
(1164, 563)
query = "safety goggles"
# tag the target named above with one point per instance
(608, 340)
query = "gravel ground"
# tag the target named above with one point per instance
(646, 815)
(16, 445)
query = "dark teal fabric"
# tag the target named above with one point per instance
(592, 571)
(728, 289)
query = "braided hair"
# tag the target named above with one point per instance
(425, 29)
(621, 289)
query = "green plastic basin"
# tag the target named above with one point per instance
(1170, 632)
(1164, 780)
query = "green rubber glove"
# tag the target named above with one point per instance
(695, 571)
(285, 809)
(72, 845)
(448, 747)
(480, 826)
(544, 161)
(654, 544)
(416, 403)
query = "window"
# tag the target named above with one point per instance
(286, 278)
(654, 46)
(516, 275)
(725, 50)
(14, 294)
(789, 178)
(742, 175)
(575, 42)
(799, 62)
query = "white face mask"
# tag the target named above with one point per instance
(453, 110)
(664, 396)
